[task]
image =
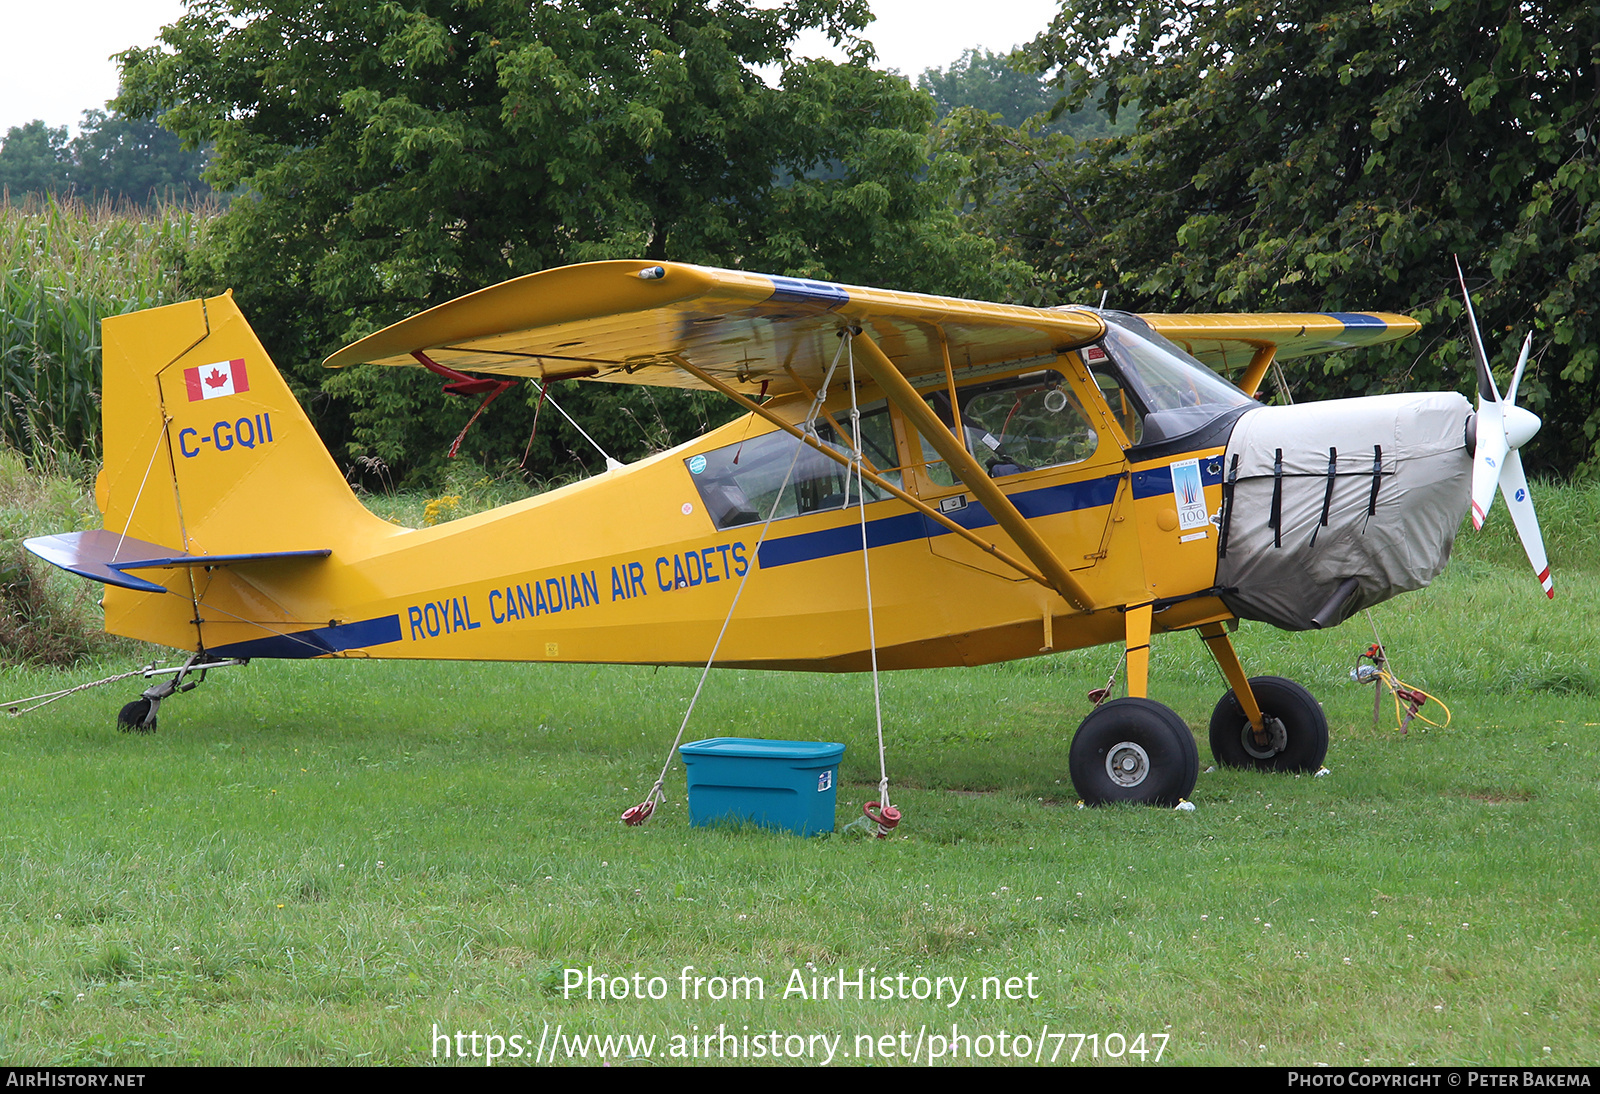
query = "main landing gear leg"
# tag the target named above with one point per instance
(1134, 749)
(1264, 722)
(1136, 624)
(1215, 636)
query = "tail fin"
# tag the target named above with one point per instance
(208, 453)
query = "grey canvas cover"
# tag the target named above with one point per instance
(1387, 515)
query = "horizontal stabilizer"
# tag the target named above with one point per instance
(105, 556)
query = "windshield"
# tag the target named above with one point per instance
(1164, 375)
(1179, 393)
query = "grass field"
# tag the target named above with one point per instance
(332, 863)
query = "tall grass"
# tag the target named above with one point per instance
(64, 265)
(46, 617)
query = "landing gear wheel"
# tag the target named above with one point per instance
(1297, 729)
(1134, 750)
(136, 717)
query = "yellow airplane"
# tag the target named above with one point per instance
(1034, 480)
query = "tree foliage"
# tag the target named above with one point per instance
(113, 158)
(34, 159)
(1326, 155)
(989, 82)
(396, 155)
(1012, 87)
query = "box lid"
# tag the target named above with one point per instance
(756, 748)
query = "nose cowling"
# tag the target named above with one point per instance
(1318, 494)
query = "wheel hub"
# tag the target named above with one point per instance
(1277, 738)
(1127, 764)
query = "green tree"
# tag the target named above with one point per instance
(1010, 86)
(34, 159)
(987, 81)
(1326, 155)
(133, 160)
(112, 157)
(396, 155)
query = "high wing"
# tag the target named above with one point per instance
(637, 322)
(629, 322)
(1229, 343)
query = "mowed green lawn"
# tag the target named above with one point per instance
(347, 862)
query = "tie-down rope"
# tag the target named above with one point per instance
(880, 811)
(640, 813)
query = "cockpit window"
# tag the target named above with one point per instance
(1016, 425)
(739, 483)
(1123, 404)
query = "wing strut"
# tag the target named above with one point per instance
(972, 475)
(1256, 370)
(877, 480)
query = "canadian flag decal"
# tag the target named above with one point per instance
(215, 381)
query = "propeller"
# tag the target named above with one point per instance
(1502, 428)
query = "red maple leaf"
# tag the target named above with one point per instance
(216, 379)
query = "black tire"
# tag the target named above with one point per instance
(1304, 737)
(1134, 750)
(133, 717)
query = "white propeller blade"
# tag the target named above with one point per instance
(1514, 485)
(1522, 363)
(1488, 460)
(1502, 428)
(1487, 392)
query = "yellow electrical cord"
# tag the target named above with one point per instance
(1395, 686)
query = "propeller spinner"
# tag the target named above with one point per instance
(1502, 428)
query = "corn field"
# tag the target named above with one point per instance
(64, 265)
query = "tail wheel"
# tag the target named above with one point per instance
(1297, 729)
(137, 717)
(1134, 750)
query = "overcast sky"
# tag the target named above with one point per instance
(55, 54)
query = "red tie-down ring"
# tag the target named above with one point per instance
(638, 814)
(885, 817)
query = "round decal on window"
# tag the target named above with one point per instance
(697, 464)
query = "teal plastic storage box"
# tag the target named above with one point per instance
(792, 785)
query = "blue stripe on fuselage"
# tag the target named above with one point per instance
(1065, 498)
(808, 546)
(320, 641)
(1158, 480)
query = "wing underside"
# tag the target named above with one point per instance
(633, 322)
(638, 322)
